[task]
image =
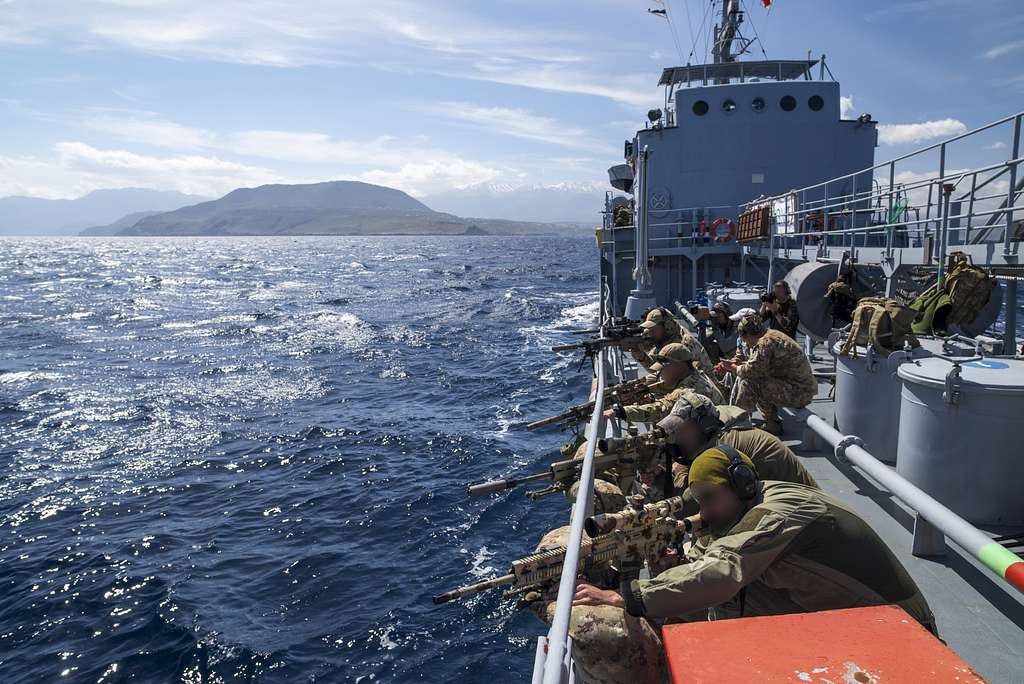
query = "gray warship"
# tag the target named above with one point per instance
(748, 174)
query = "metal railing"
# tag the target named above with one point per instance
(934, 520)
(893, 206)
(687, 226)
(553, 660)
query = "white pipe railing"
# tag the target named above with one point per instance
(555, 667)
(996, 557)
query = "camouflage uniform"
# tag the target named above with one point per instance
(700, 354)
(696, 382)
(776, 374)
(608, 646)
(673, 334)
(608, 497)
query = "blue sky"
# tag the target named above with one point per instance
(203, 96)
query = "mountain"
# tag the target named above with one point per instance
(37, 216)
(576, 202)
(118, 225)
(331, 208)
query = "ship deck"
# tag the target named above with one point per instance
(979, 616)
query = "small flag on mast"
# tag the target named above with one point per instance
(767, 4)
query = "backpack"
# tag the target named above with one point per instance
(882, 324)
(969, 288)
(842, 300)
(933, 309)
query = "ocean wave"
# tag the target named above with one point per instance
(11, 377)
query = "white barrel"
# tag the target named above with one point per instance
(959, 436)
(739, 298)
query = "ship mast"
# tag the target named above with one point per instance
(727, 31)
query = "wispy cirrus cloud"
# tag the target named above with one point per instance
(1003, 49)
(149, 128)
(393, 35)
(518, 123)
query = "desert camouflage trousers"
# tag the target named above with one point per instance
(768, 394)
(608, 646)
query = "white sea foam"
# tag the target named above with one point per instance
(479, 567)
(27, 376)
(580, 316)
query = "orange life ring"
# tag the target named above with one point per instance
(730, 234)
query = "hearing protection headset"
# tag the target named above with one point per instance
(742, 478)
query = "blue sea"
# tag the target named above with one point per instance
(245, 459)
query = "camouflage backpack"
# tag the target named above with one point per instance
(969, 288)
(881, 324)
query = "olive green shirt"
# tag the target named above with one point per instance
(799, 549)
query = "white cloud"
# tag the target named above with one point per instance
(846, 107)
(76, 168)
(425, 178)
(899, 134)
(519, 123)
(1005, 48)
(998, 145)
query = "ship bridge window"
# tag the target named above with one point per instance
(700, 107)
(757, 104)
(788, 103)
(728, 106)
(815, 103)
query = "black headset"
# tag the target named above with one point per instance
(742, 478)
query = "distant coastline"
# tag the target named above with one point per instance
(349, 208)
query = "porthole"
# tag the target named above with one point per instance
(700, 107)
(815, 103)
(788, 103)
(728, 106)
(757, 104)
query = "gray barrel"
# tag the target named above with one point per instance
(868, 392)
(808, 283)
(958, 435)
(868, 397)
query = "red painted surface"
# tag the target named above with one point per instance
(1015, 575)
(868, 645)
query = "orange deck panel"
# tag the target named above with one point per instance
(867, 645)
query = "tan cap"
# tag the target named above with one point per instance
(654, 317)
(673, 353)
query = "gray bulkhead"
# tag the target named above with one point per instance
(724, 145)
